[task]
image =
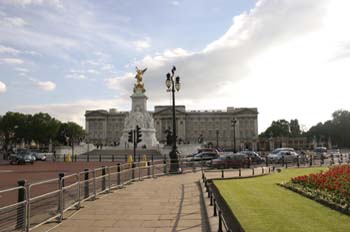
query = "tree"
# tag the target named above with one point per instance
(14, 127)
(69, 133)
(279, 128)
(338, 129)
(43, 127)
(294, 128)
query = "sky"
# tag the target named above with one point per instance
(288, 58)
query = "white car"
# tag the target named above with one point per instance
(39, 156)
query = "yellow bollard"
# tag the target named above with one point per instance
(69, 157)
(130, 161)
(144, 161)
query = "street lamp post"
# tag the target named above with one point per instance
(233, 123)
(171, 86)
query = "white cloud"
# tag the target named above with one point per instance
(121, 83)
(142, 44)
(8, 50)
(12, 21)
(22, 70)
(11, 61)
(45, 85)
(175, 3)
(2, 87)
(76, 76)
(161, 59)
(74, 111)
(277, 57)
(23, 3)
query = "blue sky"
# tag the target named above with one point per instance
(289, 58)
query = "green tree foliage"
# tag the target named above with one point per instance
(70, 132)
(41, 128)
(294, 128)
(283, 128)
(279, 128)
(338, 129)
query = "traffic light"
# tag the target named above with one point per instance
(138, 134)
(130, 139)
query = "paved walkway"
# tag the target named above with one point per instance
(169, 203)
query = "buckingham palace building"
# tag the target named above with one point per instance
(213, 126)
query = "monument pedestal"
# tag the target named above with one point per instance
(139, 116)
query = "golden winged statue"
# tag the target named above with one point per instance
(139, 84)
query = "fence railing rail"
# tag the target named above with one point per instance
(44, 201)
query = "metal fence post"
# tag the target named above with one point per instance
(60, 199)
(86, 183)
(112, 158)
(88, 158)
(94, 178)
(64, 158)
(165, 169)
(222, 173)
(126, 158)
(262, 170)
(21, 211)
(215, 213)
(79, 192)
(118, 175)
(103, 178)
(100, 158)
(148, 168)
(109, 178)
(139, 168)
(152, 167)
(133, 171)
(239, 172)
(253, 171)
(220, 221)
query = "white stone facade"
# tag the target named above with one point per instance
(107, 127)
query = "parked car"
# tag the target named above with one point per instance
(274, 154)
(207, 150)
(21, 157)
(320, 152)
(205, 156)
(236, 160)
(335, 153)
(255, 157)
(288, 156)
(39, 156)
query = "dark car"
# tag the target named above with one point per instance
(21, 158)
(255, 157)
(205, 156)
(237, 160)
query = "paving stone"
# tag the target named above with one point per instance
(169, 203)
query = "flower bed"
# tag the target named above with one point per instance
(331, 188)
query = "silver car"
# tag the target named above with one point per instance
(288, 156)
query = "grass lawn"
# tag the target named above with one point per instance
(261, 205)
